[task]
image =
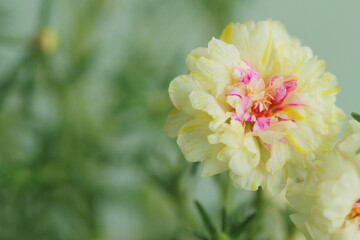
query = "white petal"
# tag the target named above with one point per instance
(207, 103)
(280, 154)
(193, 143)
(213, 76)
(179, 90)
(310, 70)
(174, 121)
(251, 144)
(256, 42)
(304, 139)
(232, 135)
(237, 159)
(251, 181)
(301, 202)
(351, 142)
(194, 56)
(272, 183)
(212, 166)
(291, 56)
(275, 183)
(342, 194)
(300, 222)
(224, 53)
(324, 86)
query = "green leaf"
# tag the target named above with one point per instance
(356, 116)
(241, 227)
(222, 236)
(206, 219)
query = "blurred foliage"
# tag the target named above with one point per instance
(83, 97)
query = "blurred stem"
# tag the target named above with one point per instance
(290, 225)
(259, 205)
(184, 208)
(31, 54)
(219, 12)
(186, 213)
(259, 198)
(170, 185)
(10, 79)
(62, 95)
(45, 13)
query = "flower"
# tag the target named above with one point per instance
(252, 102)
(328, 202)
(48, 41)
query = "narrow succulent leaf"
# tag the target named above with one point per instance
(206, 219)
(241, 227)
(356, 116)
(222, 236)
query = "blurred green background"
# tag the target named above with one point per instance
(83, 97)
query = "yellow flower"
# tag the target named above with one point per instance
(251, 102)
(328, 202)
(48, 41)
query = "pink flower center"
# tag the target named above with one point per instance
(260, 102)
(355, 212)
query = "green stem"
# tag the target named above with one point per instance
(259, 199)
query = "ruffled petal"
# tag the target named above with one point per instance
(237, 160)
(280, 154)
(256, 42)
(207, 103)
(193, 143)
(351, 145)
(223, 53)
(194, 56)
(304, 139)
(212, 166)
(252, 146)
(179, 90)
(231, 135)
(273, 183)
(251, 181)
(174, 121)
(310, 71)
